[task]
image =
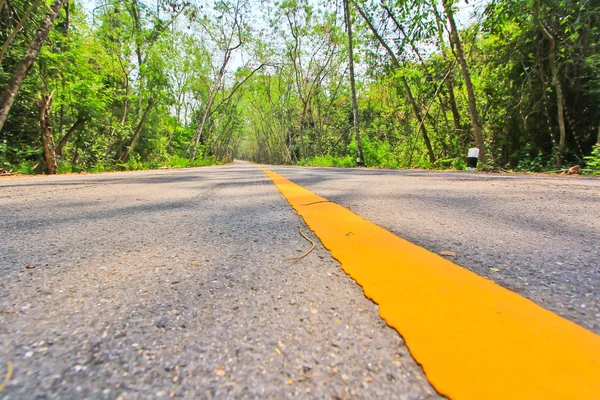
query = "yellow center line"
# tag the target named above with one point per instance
(474, 339)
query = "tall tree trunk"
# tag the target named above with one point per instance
(122, 121)
(72, 130)
(411, 99)
(460, 55)
(419, 117)
(67, 18)
(209, 104)
(45, 104)
(361, 156)
(138, 40)
(64, 78)
(302, 123)
(19, 26)
(200, 128)
(559, 97)
(16, 81)
(75, 159)
(449, 83)
(443, 104)
(138, 132)
(453, 107)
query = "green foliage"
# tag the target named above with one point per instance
(535, 164)
(206, 161)
(592, 162)
(26, 167)
(101, 78)
(531, 162)
(134, 164)
(179, 162)
(378, 153)
(456, 163)
(100, 167)
(287, 100)
(329, 161)
(65, 167)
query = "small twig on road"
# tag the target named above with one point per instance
(316, 202)
(8, 375)
(305, 254)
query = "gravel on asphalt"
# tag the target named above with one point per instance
(172, 284)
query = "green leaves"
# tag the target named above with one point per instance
(107, 65)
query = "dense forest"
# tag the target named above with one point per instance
(97, 85)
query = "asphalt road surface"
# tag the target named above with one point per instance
(167, 284)
(535, 235)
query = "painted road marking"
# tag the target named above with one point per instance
(474, 339)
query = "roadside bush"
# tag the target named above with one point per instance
(328, 161)
(592, 162)
(377, 153)
(179, 162)
(457, 163)
(133, 164)
(26, 167)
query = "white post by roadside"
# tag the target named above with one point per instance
(472, 158)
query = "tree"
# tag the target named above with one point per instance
(18, 27)
(45, 105)
(134, 85)
(460, 55)
(22, 69)
(228, 35)
(361, 156)
(411, 99)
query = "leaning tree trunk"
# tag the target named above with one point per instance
(449, 84)
(44, 105)
(460, 55)
(200, 128)
(396, 63)
(442, 99)
(137, 133)
(13, 34)
(16, 81)
(69, 135)
(209, 104)
(559, 97)
(419, 117)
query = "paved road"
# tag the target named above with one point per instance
(172, 283)
(538, 236)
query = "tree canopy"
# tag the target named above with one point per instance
(130, 84)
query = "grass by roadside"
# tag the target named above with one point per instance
(134, 164)
(591, 164)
